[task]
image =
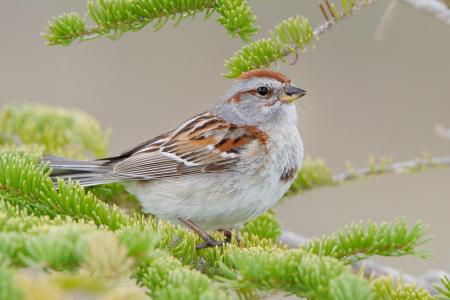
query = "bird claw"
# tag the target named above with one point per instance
(210, 243)
(209, 240)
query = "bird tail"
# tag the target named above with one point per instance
(87, 173)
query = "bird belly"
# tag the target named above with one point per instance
(211, 201)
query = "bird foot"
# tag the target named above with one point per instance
(209, 241)
(228, 233)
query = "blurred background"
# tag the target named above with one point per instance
(364, 98)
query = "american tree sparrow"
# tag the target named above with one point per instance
(218, 169)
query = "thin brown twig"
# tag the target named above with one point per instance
(328, 23)
(324, 13)
(330, 9)
(295, 59)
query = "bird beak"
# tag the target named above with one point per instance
(292, 93)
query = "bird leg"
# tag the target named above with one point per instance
(209, 240)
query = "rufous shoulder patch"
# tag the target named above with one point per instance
(257, 133)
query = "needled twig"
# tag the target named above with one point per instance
(394, 168)
(371, 269)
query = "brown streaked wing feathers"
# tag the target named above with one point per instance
(208, 144)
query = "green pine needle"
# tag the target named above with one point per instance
(444, 290)
(291, 271)
(69, 230)
(290, 35)
(237, 18)
(349, 286)
(359, 241)
(265, 226)
(113, 18)
(58, 131)
(65, 29)
(9, 289)
(386, 289)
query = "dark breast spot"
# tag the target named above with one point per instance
(288, 174)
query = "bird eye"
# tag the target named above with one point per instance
(262, 91)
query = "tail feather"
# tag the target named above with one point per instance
(87, 173)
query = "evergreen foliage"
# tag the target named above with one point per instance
(315, 172)
(400, 291)
(55, 243)
(9, 289)
(266, 226)
(85, 244)
(289, 35)
(287, 38)
(41, 125)
(358, 241)
(112, 18)
(444, 290)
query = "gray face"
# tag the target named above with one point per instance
(262, 102)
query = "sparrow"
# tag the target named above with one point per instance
(218, 169)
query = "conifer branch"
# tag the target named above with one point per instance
(393, 168)
(347, 243)
(315, 173)
(359, 241)
(102, 254)
(113, 18)
(266, 227)
(331, 14)
(293, 272)
(66, 132)
(308, 275)
(387, 289)
(70, 229)
(444, 290)
(369, 268)
(21, 177)
(288, 38)
(9, 289)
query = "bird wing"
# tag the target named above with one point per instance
(203, 144)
